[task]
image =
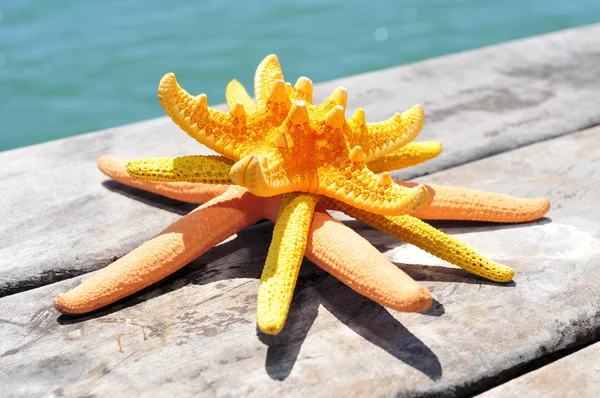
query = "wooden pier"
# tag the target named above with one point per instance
(519, 118)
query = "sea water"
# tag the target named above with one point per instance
(68, 67)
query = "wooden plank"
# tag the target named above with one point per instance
(195, 332)
(577, 375)
(59, 220)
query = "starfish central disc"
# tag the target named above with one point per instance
(314, 157)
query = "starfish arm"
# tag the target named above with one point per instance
(233, 134)
(267, 72)
(172, 249)
(372, 193)
(235, 92)
(451, 203)
(350, 258)
(285, 256)
(379, 139)
(411, 154)
(221, 131)
(184, 191)
(416, 232)
(196, 169)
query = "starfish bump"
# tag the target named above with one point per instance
(235, 93)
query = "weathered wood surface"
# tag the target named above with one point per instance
(194, 333)
(61, 219)
(577, 375)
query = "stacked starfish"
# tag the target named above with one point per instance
(284, 144)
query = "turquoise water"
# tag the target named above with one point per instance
(70, 67)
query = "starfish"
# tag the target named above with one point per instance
(290, 145)
(292, 228)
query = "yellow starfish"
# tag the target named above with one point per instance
(294, 146)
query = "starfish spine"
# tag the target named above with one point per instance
(278, 95)
(356, 155)
(359, 118)
(303, 90)
(338, 97)
(385, 179)
(237, 110)
(298, 113)
(279, 140)
(335, 118)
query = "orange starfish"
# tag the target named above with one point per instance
(227, 210)
(331, 245)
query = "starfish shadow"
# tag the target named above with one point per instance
(283, 349)
(437, 273)
(375, 324)
(149, 198)
(437, 309)
(366, 318)
(384, 242)
(153, 199)
(464, 227)
(452, 227)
